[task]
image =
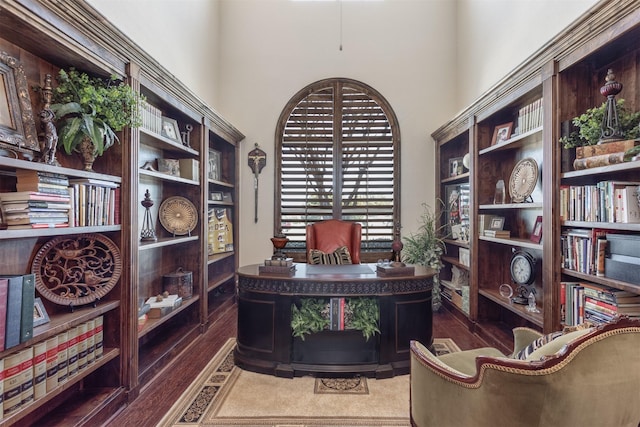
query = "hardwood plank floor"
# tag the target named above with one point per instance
(154, 401)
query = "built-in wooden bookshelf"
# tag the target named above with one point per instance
(563, 79)
(45, 37)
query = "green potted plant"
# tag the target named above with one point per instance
(426, 246)
(588, 126)
(89, 111)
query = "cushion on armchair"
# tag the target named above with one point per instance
(339, 256)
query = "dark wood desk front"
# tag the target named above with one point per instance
(265, 343)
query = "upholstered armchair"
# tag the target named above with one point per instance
(588, 377)
(329, 235)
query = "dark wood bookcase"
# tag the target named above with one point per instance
(46, 36)
(567, 75)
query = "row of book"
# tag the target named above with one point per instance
(584, 301)
(529, 117)
(46, 199)
(17, 296)
(583, 250)
(151, 117)
(339, 314)
(31, 373)
(606, 201)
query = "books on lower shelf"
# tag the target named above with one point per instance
(31, 373)
(585, 301)
(606, 201)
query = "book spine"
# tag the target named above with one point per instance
(14, 312)
(597, 161)
(52, 363)
(72, 351)
(99, 336)
(39, 370)
(4, 291)
(28, 296)
(26, 375)
(63, 357)
(12, 392)
(91, 341)
(82, 346)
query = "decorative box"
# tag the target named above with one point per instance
(190, 169)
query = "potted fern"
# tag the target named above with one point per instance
(426, 246)
(89, 111)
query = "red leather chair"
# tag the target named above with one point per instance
(329, 235)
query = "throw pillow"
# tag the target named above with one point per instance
(339, 256)
(536, 344)
(545, 339)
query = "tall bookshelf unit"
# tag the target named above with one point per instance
(566, 74)
(46, 36)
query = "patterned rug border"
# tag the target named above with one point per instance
(208, 392)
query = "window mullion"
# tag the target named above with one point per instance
(337, 150)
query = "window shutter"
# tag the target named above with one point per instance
(338, 155)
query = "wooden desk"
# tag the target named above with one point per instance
(265, 343)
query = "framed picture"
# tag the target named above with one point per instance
(17, 125)
(40, 316)
(456, 166)
(214, 165)
(170, 129)
(501, 133)
(226, 197)
(536, 233)
(216, 196)
(497, 223)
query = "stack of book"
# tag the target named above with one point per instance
(41, 201)
(95, 202)
(609, 153)
(277, 266)
(584, 301)
(502, 234)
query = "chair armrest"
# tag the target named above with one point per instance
(522, 337)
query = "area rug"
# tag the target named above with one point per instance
(225, 395)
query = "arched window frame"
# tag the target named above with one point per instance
(377, 239)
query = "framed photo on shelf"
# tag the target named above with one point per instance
(497, 223)
(501, 133)
(455, 166)
(214, 165)
(226, 197)
(216, 196)
(170, 129)
(40, 316)
(536, 233)
(169, 166)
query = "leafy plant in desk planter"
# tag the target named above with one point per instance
(307, 317)
(426, 246)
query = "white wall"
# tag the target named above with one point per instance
(429, 58)
(273, 48)
(495, 36)
(183, 35)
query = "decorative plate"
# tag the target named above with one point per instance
(178, 215)
(77, 270)
(524, 177)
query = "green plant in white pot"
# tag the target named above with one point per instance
(89, 111)
(426, 246)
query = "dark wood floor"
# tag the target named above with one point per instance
(154, 401)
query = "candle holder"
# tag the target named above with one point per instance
(148, 232)
(279, 241)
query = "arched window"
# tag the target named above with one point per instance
(338, 156)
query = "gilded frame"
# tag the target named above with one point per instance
(17, 125)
